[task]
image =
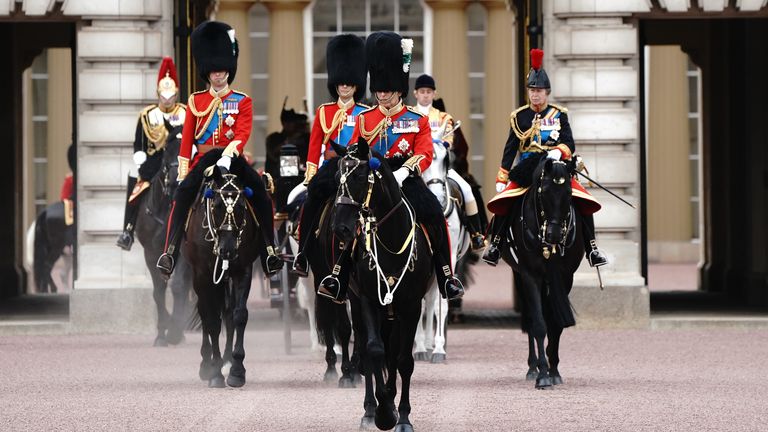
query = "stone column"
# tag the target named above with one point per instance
(286, 58)
(59, 118)
(449, 45)
(500, 87)
(235, 13)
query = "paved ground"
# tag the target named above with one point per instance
(643, 380)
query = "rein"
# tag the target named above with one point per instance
(565, 241)
(369, 223)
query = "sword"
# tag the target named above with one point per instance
(606, 189)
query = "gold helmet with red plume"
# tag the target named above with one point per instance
(167, 81)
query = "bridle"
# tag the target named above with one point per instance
(368, 221)
(542, 221)
(231, 195)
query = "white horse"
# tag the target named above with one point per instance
(427, 337)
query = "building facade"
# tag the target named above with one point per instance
(604, 59)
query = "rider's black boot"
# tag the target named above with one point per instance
(167, 261)
(476, 231)
(595, 256)
(450, 286)
(493, 252)
(262, 206)
(125, 240)
(306, 225)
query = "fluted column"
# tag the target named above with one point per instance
(449, 45)
(286, 58)
(500, 89)
(59, 118)
(235, 13)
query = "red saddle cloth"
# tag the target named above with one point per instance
(502, 202)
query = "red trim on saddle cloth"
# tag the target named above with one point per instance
(500, 204)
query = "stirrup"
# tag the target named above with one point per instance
(125, 240)
(300, 265)
(166, 263)
(492, 254)
(273, 262)
(595, 256)
(478, 241)
(453, 288)
(327, 286)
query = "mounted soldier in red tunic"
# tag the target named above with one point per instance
(537, 129)
(221, 118)
(149, 144)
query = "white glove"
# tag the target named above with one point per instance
(224, 162)
(500, 187)
(555, 154)
(296, 192)
(139, 158)
(401, 174)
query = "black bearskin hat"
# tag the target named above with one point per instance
(425, 81)
(215, 48)
(537, 77)
(388, 57)
(345, 59)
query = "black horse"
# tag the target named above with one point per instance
(222, 242)
(51, 236)
(150, 231)
(391, 268)
(544, 250)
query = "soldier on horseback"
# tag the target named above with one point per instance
(402, 136)
(222, 118)
(536, 128)
(442, 125)
(334, 121)
(149, 144)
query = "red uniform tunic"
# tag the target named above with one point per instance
(215, 120)
(397, 133)
(332, 122)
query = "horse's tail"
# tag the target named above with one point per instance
(40, 253)
(562, 311)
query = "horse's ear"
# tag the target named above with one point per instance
(341, 151)
(362, 148)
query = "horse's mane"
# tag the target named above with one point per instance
(562, 170)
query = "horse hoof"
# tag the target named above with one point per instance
(330, 376)
(543, 383)
(385, 417)
(557, 380)
(357, 379)
(216, 382)
(174, 336)
(235, 380)
(420, 356)
(404, 427)
(346, 382)
(160, 342)
(531, 375)
(367, 423)
(438, 358)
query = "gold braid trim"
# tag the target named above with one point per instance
(183, 168)
(369, 134)
(516, 127)
(502, 176)
(213, 105)
(413, 163)
(157, 135)
(338, 118)
(310, 172)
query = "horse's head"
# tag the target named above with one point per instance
(552, 180)
(227, 213)
(358, 171)
(170, 169)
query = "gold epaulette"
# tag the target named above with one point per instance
(239, 92)
(367, 110)
(513, 114)
(559, 108)
(413, 110)
(363, 105)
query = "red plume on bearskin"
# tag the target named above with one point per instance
(537, 56)
(167, 67)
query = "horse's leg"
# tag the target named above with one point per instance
(405, 368)
(158, 293)
(441, 315)
(206, 351)
(431, 300)
(210, 305)
(553, 352)
(369, 402)
(538, 329)
(532, 373)
(179, 284)
(385, 415)
(228, 316)
(344, 331)
(420, 348)
(236, 376)
(326, 323)
(311, 313)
